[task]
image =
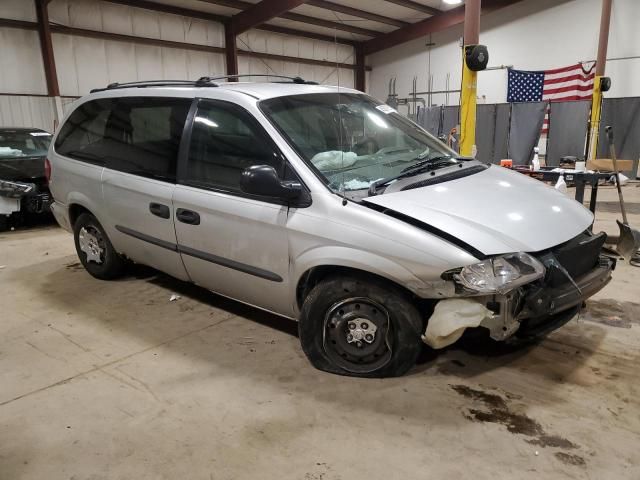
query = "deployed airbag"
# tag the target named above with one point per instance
(451, 317)
(333, 160)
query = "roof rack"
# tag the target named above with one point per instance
(201, 82)
(298, 80)
(149, 83)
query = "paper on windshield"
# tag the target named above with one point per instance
(386, 109)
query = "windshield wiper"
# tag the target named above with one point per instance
(415, 169)
(434, 161)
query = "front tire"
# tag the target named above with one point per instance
(94, 249)
(360, 326)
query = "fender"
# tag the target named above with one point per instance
(361, 260)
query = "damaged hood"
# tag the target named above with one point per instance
(495, 211)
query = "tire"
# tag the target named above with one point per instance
(340, 306)
(4, 223)
(94, 249)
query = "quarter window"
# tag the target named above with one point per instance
(137, 135)
(225, 140)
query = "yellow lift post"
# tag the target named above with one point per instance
(469, 80)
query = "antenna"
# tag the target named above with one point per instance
(340, 125)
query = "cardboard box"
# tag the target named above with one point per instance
(606, 165)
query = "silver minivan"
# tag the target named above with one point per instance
(324, 205)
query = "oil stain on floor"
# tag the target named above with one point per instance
(613, 313)
(497, 410)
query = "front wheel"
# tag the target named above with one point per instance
(361, 327)
(94, 249)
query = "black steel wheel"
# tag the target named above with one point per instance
(360, 327)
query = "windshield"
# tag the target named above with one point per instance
(353, 140)
(23, 143)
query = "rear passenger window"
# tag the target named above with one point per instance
(137, 135)
(225, 140)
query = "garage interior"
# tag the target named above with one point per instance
(152, 377)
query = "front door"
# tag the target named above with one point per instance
(232, 243)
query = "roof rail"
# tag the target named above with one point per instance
(300, 80)
(201, 82)
(150, 83)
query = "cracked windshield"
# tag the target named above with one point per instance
(353, 141)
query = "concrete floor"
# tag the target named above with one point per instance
(110, 380)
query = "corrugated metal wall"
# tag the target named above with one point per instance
(266, 42)
(27, 111)
(85, 63)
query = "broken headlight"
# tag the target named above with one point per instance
(15, 189)
(500, 274)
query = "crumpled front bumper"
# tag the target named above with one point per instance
(19, 196)
(536, 310)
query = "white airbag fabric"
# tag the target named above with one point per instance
(334, 159)
(450, 319)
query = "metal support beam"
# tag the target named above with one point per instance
(354, 12)
(601, 63)
(419, 7)
(46, 48)
(230, 50)
(468, 97)
(360, 76)
(118, 37)
(187, 12)
(296, 17)
(603, 39)
(423, 28)
(260, 13)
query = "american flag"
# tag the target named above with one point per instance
(574, 82)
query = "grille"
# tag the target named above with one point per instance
(577, 256)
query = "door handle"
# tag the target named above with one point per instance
(159, 210)
(188, 216)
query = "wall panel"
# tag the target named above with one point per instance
(25, 111)
(18, 10)
(21, 68)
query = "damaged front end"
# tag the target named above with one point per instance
(522, 294)
(20, 196)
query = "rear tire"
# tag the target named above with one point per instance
(361, 327)
(94, 249)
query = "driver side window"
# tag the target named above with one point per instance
(225, 140)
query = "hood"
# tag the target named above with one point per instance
(26, 169)
(495, 211)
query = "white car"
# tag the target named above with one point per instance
(323, 205)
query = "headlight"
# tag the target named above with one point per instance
(500, 274)
(15, 189)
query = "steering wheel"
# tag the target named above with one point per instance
(367, 146)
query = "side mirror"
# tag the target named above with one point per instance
(263, 180)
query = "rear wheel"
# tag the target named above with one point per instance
(95, 250)
(361, 327)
